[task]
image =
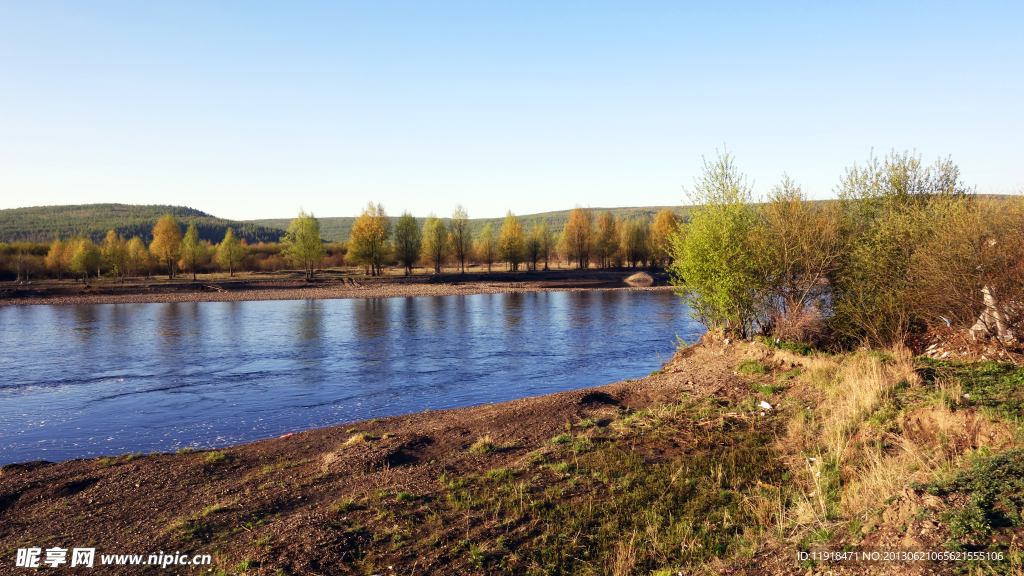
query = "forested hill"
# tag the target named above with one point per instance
(45, 223)
(337, 229)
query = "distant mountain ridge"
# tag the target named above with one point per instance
(46, 223)
(338, 228)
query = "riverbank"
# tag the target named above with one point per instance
(327, 285)
(684, 470)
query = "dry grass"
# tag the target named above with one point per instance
(844, 477)
(483, 445)
(625, 557)
(358, 438)
(863, 383)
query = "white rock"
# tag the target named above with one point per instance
(765, 405)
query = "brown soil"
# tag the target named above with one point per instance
(325, 286)
(280, 491)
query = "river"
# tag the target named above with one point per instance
(89, 380)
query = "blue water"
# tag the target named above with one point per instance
(82, 381)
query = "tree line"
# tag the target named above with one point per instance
(586, 240)
(376, 243)
(902, 248)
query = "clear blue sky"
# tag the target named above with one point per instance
(252, 109)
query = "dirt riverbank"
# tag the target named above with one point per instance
(274, 503)
(687, 470)
(326, 286)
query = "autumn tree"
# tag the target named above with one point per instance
(193, 251)
(369, 243)
(166, 245)
(462, 238)
(511, 243)
(578, 235)
(138, 256)
(436, 242)
(230, 252)
(547, 242)
(408, 242)
(485, 248)
(665, 225)
(303, 243)
(115, 253)
(606, 238)
(636, 241)
(57, 259)
(85, 259)
(532, 248)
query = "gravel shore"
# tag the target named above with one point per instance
(285, 290)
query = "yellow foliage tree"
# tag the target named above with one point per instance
(368, 243)
(512, 243)
(665, 225)
(578, 236)
(57, 259)
(166, 246)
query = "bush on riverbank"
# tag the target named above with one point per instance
(905, 247)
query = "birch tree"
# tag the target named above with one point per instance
(408, 242)
(303, 243)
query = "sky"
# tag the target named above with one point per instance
(254, 109)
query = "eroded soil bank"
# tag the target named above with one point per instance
(681, 471)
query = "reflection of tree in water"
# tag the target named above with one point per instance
(408, 314)
(179, 333)
(370, 323)
(86, 322)
(513, 306)
(232, 322)
(580, 306)
(310, 344)
(311, 320)
(371, 317)
(460, 320)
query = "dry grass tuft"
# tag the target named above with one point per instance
(625, 557)
(358, 438)
(483, 445)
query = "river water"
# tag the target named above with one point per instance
(82, 381)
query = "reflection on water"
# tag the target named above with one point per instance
(103, 379)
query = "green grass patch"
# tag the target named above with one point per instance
(214, 457)
(563, 438)
(681, 511)
(993, 485)
(797, 347)
(767, 389)
(790, 374)
(752, 368)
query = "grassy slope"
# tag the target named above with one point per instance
(706, 485)
(337, 229)
(44, 223)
